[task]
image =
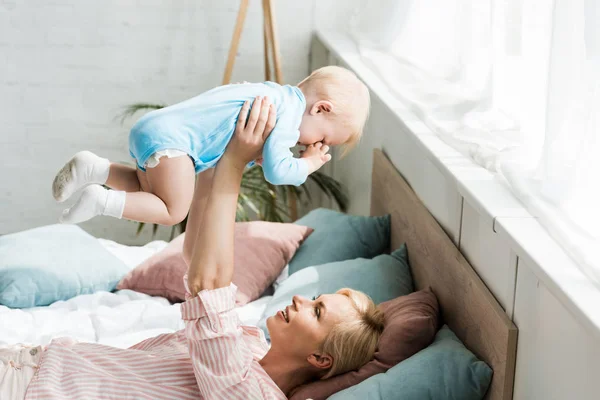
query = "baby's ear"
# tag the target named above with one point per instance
(322, 106)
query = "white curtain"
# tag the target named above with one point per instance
(514, 84)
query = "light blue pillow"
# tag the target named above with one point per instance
(445, 370)
(339, 237)
(384, 277)
(55, 262)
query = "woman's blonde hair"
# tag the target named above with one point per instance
(349, 96)
(352, 343)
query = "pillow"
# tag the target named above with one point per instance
(444, 370)
(56, 262)
(340, 237)
(384, 277)
(262, 250)
(410, 325)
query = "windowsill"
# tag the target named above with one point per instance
(492, 199)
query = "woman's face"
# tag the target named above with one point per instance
(301, 327)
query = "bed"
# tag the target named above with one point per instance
(120, 319)
(126, 317)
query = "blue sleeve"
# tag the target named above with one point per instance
(279, 164)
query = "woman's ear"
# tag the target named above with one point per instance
(321, 106)
(321, 361)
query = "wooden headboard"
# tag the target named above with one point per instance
(467, 305)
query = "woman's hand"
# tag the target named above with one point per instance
(251, 132)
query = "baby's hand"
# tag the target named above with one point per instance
(316, 156)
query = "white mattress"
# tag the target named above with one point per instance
(119, 319)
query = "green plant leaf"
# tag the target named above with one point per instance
(240, 213)
(331, 188)
(173, 229)
(303, 191)
(139, 228)
(131, 109)
(245, 201)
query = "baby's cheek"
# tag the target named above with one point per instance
(305, 137)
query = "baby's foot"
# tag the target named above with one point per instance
(84, 168)
(95, 200)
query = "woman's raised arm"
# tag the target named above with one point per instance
(211, 264)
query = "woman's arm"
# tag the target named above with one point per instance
(211, 264)
(220, 357)
(201, 192)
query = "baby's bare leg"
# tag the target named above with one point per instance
(166, 203)
(171, 187)
(143, 180)
(124, 177)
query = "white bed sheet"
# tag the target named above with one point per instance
(119, 319)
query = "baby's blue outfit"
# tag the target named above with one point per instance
(203, 126)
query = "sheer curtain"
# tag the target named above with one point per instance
(514, 84)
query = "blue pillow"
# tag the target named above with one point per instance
(55, 262)
(339, 237)
(384, 277)
(446, 369)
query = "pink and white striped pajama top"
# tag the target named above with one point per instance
(212, 358)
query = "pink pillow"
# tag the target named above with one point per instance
(262, 250)
(411, 323)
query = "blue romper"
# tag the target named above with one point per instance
(203, 126)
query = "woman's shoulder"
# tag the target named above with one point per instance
(255, 332)
(256, 341)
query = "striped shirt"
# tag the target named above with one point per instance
(214, 357)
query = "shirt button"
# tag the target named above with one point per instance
(33, 352)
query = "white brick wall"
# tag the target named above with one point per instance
(67, 68)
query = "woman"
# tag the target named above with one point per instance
(214, 357)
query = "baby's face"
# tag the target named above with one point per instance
(315, 128)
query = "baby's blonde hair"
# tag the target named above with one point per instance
(349, 96)
(353, 342)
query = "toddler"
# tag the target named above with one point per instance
(171, 145)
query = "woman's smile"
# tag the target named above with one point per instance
(285, 314)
